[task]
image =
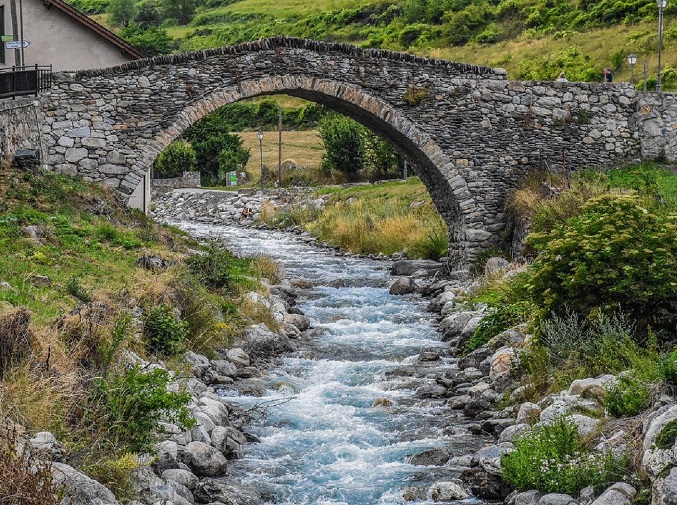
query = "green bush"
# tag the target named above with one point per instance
(76, 290)
(343, 141)
(133, 402)
(179, 157)
(628, 397)
(217, 268)
(615, 256)
(553, 459)
(164, 330)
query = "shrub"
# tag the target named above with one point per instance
(214, 268)
(553, 459)
(14, 338)
(176, 159)
(628, 397)
(615, 256)
(23, 479)
(76, 290)
(164, 330)
(133, 402)
(343, 141)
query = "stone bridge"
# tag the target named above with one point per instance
(470, 133)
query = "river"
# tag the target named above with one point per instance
(341, 417)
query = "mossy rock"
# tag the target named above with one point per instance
(666, 438)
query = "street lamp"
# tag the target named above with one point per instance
(632, 59)
(661, 5)
(260, 136)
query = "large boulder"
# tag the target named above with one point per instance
(261, 343)
(205, 460)
(403, 286)
(222, 491)
(621, 493)
(448, 491)
(664, 491)
(80, 489)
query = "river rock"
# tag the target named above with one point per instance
(183, 477)
(620, 493)
(441, 300)
(261, 343)
(403, 286)
(80, 489)
(167, 455)
(485, 485)
(432, 457)
(448, 491)
(532, 497)
(408, 267)
(557, 499)
(238, 356)
(302, 323)
(528, 413)
(228, 440)
(221, 491)
(502, 361)
(474, 358)
(512, 433)
(205, 460)
(596, 388)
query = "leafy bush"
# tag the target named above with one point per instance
(75, 289)
(628, 397)
(133, 402)
(217, 267)
(553, 459)
(616, 256)
(173, 161)
(164, 330)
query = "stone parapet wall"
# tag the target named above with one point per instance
(19, 127)
(188, 180)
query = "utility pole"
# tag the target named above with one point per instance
(15, 31)
(279, 151)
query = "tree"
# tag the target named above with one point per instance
(121, 12)
(174, 160)
(181, 10)
(150, 41)
(148, 16)
(380, 159)
(343, 141)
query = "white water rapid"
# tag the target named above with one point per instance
(322, 439)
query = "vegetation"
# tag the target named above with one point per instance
(74, 292)
(532, 40)
(552, 458)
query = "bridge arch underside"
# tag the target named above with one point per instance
(448, 190)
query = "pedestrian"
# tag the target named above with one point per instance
(562, 77)
(246, 213)
(608, 77)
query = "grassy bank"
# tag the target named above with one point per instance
(381, 218)
(83, 282)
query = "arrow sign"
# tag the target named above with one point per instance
(16, 44)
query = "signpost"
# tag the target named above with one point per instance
(16, 44)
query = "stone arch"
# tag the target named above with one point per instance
(448, 189)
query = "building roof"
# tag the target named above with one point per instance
(104, 32)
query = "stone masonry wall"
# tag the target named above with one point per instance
(471, 134)
(19, 127)
(188, 180)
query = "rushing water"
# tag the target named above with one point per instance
(322, 439)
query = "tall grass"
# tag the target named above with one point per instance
(368, 227)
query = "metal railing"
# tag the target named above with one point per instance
(22, 81)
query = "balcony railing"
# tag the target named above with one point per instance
(22, 81)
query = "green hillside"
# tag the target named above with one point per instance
(532, 39)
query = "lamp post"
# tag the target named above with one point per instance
(632, 59)
(260, 136)
(661, 5)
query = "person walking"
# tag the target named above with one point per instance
(608, 77)
(562, 77)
